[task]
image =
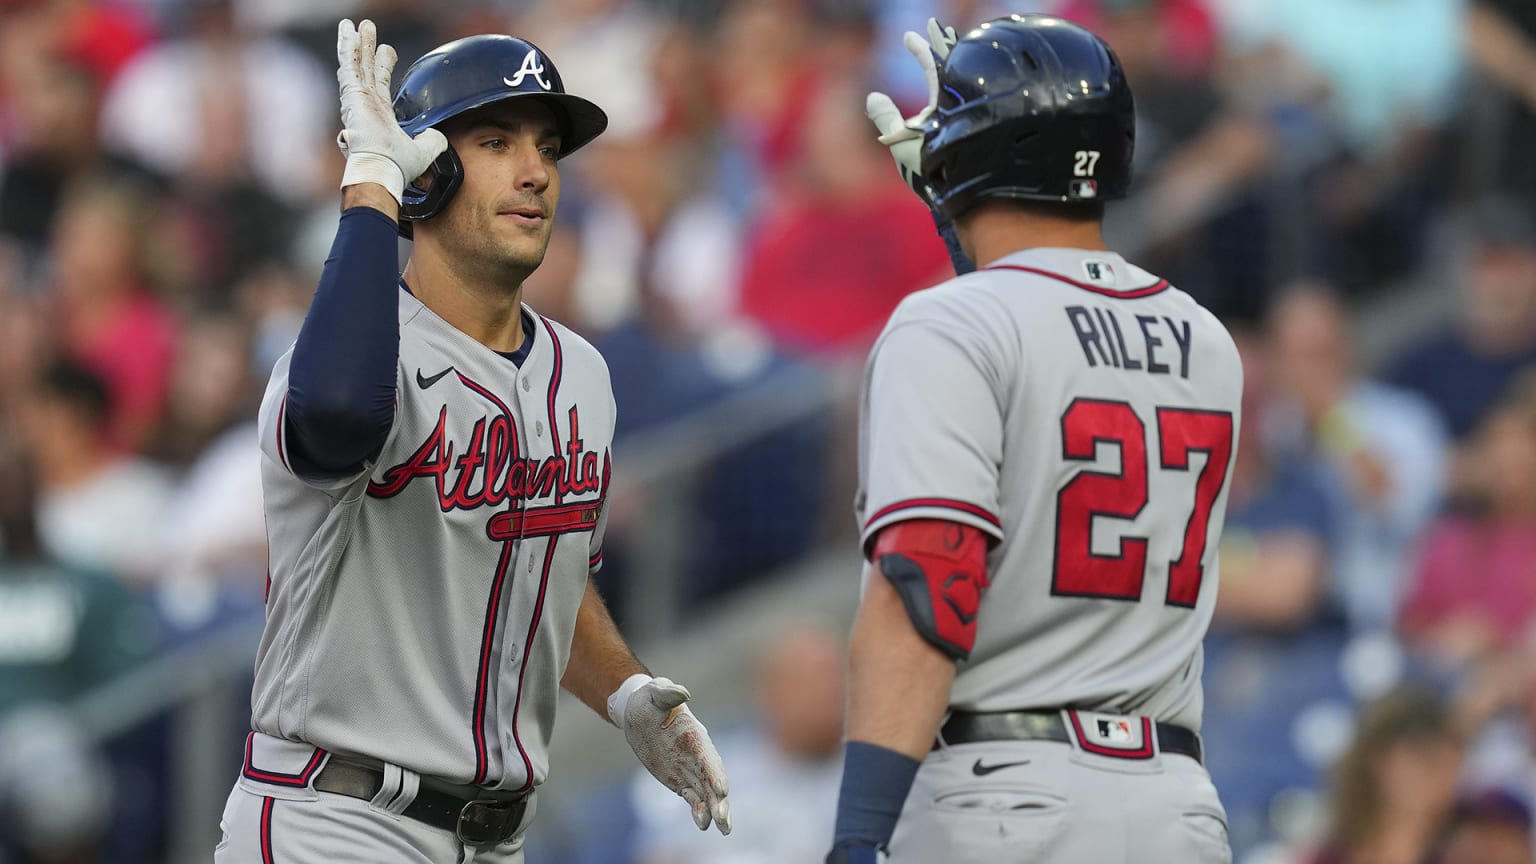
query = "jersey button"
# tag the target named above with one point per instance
(527, 385)
(538, 427)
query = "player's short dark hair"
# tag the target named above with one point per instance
(79, 388)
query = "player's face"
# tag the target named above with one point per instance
(502, 215)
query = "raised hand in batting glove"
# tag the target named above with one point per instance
(377, 149)
(673, 745)
(904, 135)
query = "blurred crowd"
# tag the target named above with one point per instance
(1307, 169)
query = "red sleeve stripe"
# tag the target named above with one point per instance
(945, 503)
(1158, 287)
(596, 559)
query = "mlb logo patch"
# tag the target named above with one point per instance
(1116, 731)
(1099, 272)
(1113, 734)
(1083, 190)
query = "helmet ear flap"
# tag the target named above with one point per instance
(418, 204)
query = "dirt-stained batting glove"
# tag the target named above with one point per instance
(673, 745)
(377, 149)
(904, 135)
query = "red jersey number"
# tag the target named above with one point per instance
(1078, 571)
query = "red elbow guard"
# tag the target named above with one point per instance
(940, 570)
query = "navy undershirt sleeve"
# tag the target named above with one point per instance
(341, 381)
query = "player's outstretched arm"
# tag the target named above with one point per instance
(904, 135)
(653, 713)
(341, 383)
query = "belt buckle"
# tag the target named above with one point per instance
(484, 822)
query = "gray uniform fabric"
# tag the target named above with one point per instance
(1083, 413)
(421, 613)
(1057, 804)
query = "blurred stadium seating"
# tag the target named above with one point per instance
(1347, 183)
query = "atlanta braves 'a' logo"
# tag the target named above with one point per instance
(531, 66)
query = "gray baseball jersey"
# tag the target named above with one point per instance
(421, 612)
(1083, 414)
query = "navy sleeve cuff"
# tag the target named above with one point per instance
(876, 781)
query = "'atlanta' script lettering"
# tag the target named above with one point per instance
(489, 470)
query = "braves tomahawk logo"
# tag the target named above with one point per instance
(530, 66)
(489, 471)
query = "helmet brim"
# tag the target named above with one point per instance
(580, 120)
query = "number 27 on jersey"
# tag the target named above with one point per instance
(1077, 571)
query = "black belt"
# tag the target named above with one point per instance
(966, 727)
(475, 817)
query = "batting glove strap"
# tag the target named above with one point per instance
(619, 699)
(675, 747)
(876, 781)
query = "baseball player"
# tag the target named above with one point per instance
(1043, 460)
(436, 466)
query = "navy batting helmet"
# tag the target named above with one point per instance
(471, 73)
(1031, 107)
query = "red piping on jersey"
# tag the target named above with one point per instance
(1143, 752)
(533, 628)
(596, 559)
(1135, 293)
(554, 387)
(266, 830)
(544, 521)
(281, 456)
(946, 503)
(493, 605)
(482, 676)
(277, 778)
(491, 397)
(549, 558)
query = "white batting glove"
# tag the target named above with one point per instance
(377, 149)
(904, 135)
(673, 745)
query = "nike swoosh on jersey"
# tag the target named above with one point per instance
(424, 382)
(981, 770)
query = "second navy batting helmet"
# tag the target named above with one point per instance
(471, 73)
(1030, 107)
